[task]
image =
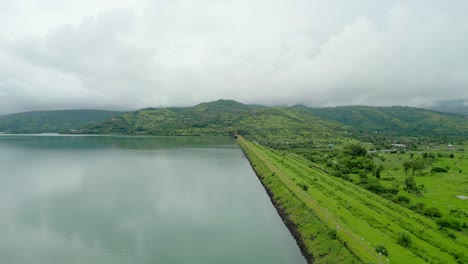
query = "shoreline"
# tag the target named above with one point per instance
(290, 225)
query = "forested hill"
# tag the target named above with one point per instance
(396, 120)
(51, 121)
(296, 126)
(268, 125)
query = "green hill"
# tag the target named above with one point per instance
(270, 125)
(396, 120)
(51, 121)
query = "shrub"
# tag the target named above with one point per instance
(432, 212)
(389, 179)
(450, 223)
(418, 207)
(375, 187)
(345, 177)
(337, 173)
(304, 186)
(451, 235)
(439, 169)
(332, 234)
(410, 184)
(404, 239)
(402, 199)
(381, 249)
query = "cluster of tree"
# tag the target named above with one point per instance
(354, 159)
(415, 166)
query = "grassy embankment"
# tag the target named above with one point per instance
(360, 218)
(317, 240)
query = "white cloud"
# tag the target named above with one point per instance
(122, 54)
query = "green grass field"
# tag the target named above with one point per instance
(440, 189)
(360, 218)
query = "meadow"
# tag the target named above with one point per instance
(438, 189)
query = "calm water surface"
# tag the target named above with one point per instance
(90, 199)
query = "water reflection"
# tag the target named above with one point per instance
(120, 142)
(110, 202)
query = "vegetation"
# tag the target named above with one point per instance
(319, 240)
(362, 219)
(279, 127)
(382, 125)
(351, 182)
(51, 121)
(381, 249)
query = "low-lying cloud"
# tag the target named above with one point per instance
(127, 55)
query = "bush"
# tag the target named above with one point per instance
(439, 169)
(404, 239)
(332, 234)
(451, 235)
(381, 249)
(389, 179)
(418, 207)
(345, 177)
(402, 199)
(432, 212)
(451, 155)
(375, 187)
(337, 173)
(450, 223)
(304, 187)
(393, 190)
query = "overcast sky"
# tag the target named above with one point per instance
(115, 54)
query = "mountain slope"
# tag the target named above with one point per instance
(269, 125)
(51, 121)
(398, 120)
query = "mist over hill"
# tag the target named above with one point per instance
(457, 106)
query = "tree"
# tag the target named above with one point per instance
(407, 166)
(411, 184)
(417, 166)
(355, 150)
(378, 170)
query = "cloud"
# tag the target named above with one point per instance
(165, 53)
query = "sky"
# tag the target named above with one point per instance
(124, 55)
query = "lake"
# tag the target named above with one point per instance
(104, 199)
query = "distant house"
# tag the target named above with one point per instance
(399, 146)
